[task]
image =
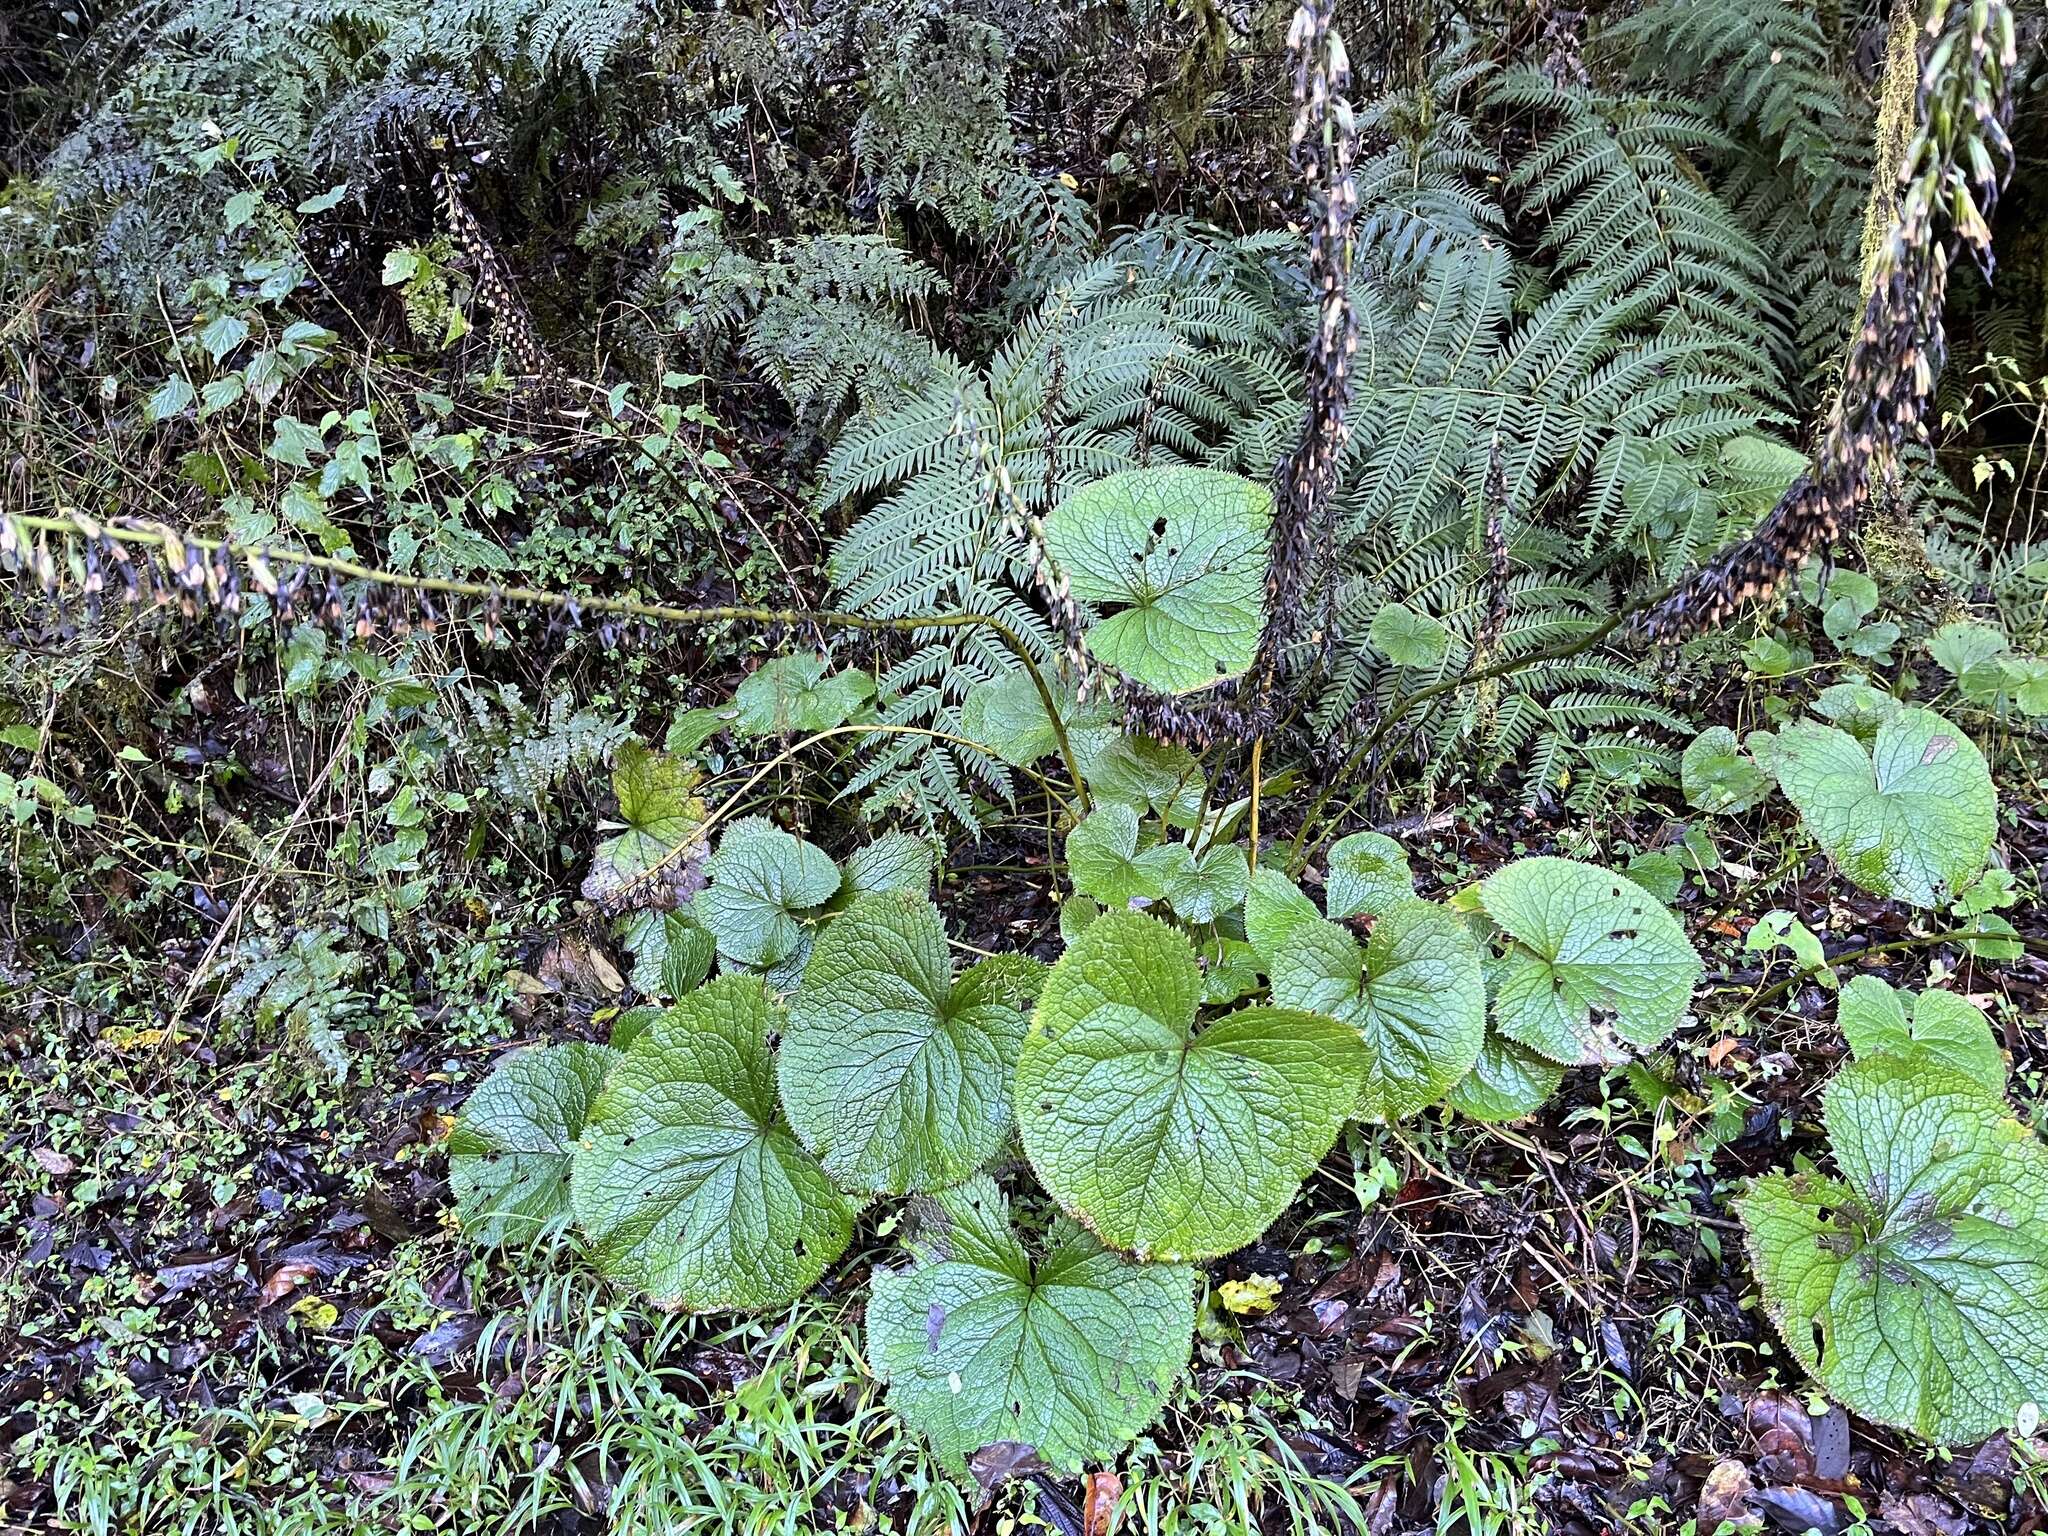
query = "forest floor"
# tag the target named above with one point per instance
(236, 1304)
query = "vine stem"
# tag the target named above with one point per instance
(1918, 941)
(167, 541)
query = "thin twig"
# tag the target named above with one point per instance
(260, 561)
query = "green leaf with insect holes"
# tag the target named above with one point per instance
(1914, 1286)
(896, 1075)
(1910, 818)
(1165, 1139)
(1180, 555)
(690, 1185)
(1598, 966)
(509, 1153)
(1072, 1352)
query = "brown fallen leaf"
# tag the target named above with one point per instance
(1098, 1503)
(1923, 1514)
(572, 965)
(1725, 1496)
(283, 1280)
(1721, 1049)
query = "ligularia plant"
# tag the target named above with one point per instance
(1171, 1079)
(1900, 799)
(1207, 1033)
(1913, 1282)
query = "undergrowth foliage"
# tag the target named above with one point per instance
(659, 485)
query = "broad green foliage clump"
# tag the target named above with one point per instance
(1913, 1284)
(1172, 1079)
(1205, 1037)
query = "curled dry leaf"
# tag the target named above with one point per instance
(1098, 1503)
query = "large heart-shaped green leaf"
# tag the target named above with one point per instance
(663, 819)
(762, 878)
(1912, 818)
(1166, 1140)
(1415, 994)
(1945, 1025)
(689, 1184)
(895, 1075)
(1915, 1286)
(1072, 1355)
(1181, 554)
(1598, 965)
(794, 694)
(508, 1155)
